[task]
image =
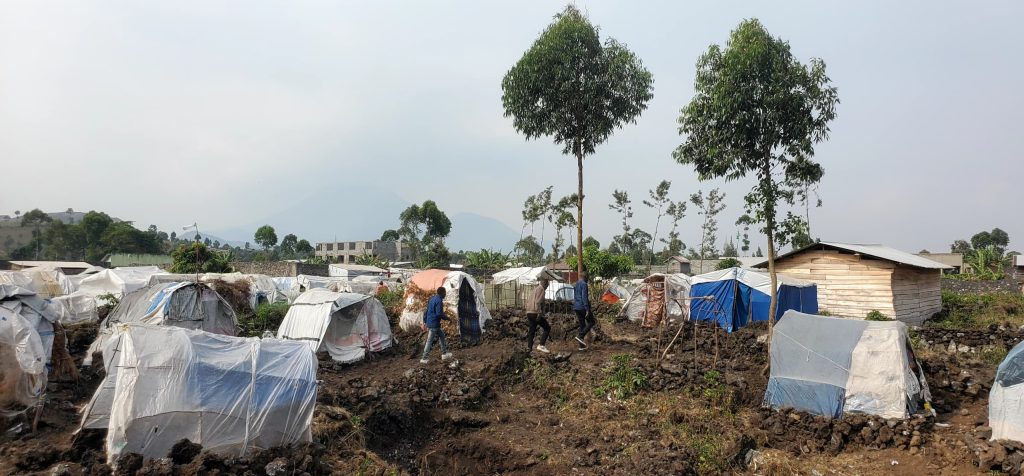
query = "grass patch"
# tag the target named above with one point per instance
(624, 379)
(876, 315)
(976, 311)
(392, 301)
(266, 317)
(993, 354)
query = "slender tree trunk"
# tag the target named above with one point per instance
(770, 228)
(654, 240)
(579, 210)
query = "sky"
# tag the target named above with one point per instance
(224, 113)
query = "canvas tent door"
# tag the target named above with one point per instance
(345, 325)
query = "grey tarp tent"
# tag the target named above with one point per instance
(829, 365)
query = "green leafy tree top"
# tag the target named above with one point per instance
(266, 237)
(758, 111)
(422, 225)
(575, 89)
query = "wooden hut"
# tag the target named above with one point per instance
(854, 280)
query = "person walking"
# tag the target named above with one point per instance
(581, 306)
(432, 321)
(535, 317)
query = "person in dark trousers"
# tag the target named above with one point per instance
(581, 306)
(432, 321)
(535, 317)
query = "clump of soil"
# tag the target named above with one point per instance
(803, 433)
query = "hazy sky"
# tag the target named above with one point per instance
(225, 112)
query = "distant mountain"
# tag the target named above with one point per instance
(361, 212)
(348, 213)
(471, 232)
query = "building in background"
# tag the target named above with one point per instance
(122, 260)
(349, 251)
(955, 260)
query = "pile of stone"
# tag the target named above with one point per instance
(969, 340)
(1003, 455)
(802, 433)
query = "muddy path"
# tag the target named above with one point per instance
(615, 408)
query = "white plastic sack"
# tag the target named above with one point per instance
(26, 341)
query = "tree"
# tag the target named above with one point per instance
(529, 251)
(728, 263)
(425, 226)
(591, 241)
(708, 207)
(757, 110)
(207, 241)
(660, 203)
(390, 235)
(288, 244)
(676, 211)
(303, 248)
(621, 204)
(35, 219)
(573, 88)
(563, 219)
(194, 257)
(266, 237)
(759, 253)
(486, 259)
(729, 249)
(122, 237)
(602, 263)
(985, 255)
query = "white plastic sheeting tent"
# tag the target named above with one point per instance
(526, 276)
(660, 296)
(75, 307)
(828, 366)
(1006, 399)
(262, 288)
(351, 271)
(45, 282)
(187, 305)
(118, 281)
(288, 287)
(464, 299)
(26, 344)
(229, 394)
(346, 325)
(559, 292)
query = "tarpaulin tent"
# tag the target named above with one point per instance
(229, 394)
(345, 325)
(188, 305)
(1006, 399)
(351, 271)
(828, 366)
(660, 296)
(288, 286)
(75, 307)
(514, 286)
(45, 282)
(559, 292)
(525, 275)
(26, 344)
(464, 300)
(734, 297)
(118, 282)
(262, 288)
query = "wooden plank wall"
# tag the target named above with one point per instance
(918, 294)
(847, 284)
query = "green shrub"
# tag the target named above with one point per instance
(624, 379)
(392, 301)
(728, 263)
(994, 354)
(266, 317)
(109, 299)
(824, 312)
(877, 316)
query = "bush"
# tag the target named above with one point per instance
(266, 317)
(392, 301)
(624, 379)
(875, 315)
(728, 263)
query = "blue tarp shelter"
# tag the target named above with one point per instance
(737, 296)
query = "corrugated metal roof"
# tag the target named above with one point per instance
(876, 251)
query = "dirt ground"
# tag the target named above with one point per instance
(612, 409)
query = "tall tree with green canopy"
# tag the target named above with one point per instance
(266, 237)
(574, 88)
(425, 227)
(758, 111)
(288, 244)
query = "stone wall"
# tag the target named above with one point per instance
(279, 268)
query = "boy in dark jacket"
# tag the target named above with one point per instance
(432, 321)
(581, 306)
